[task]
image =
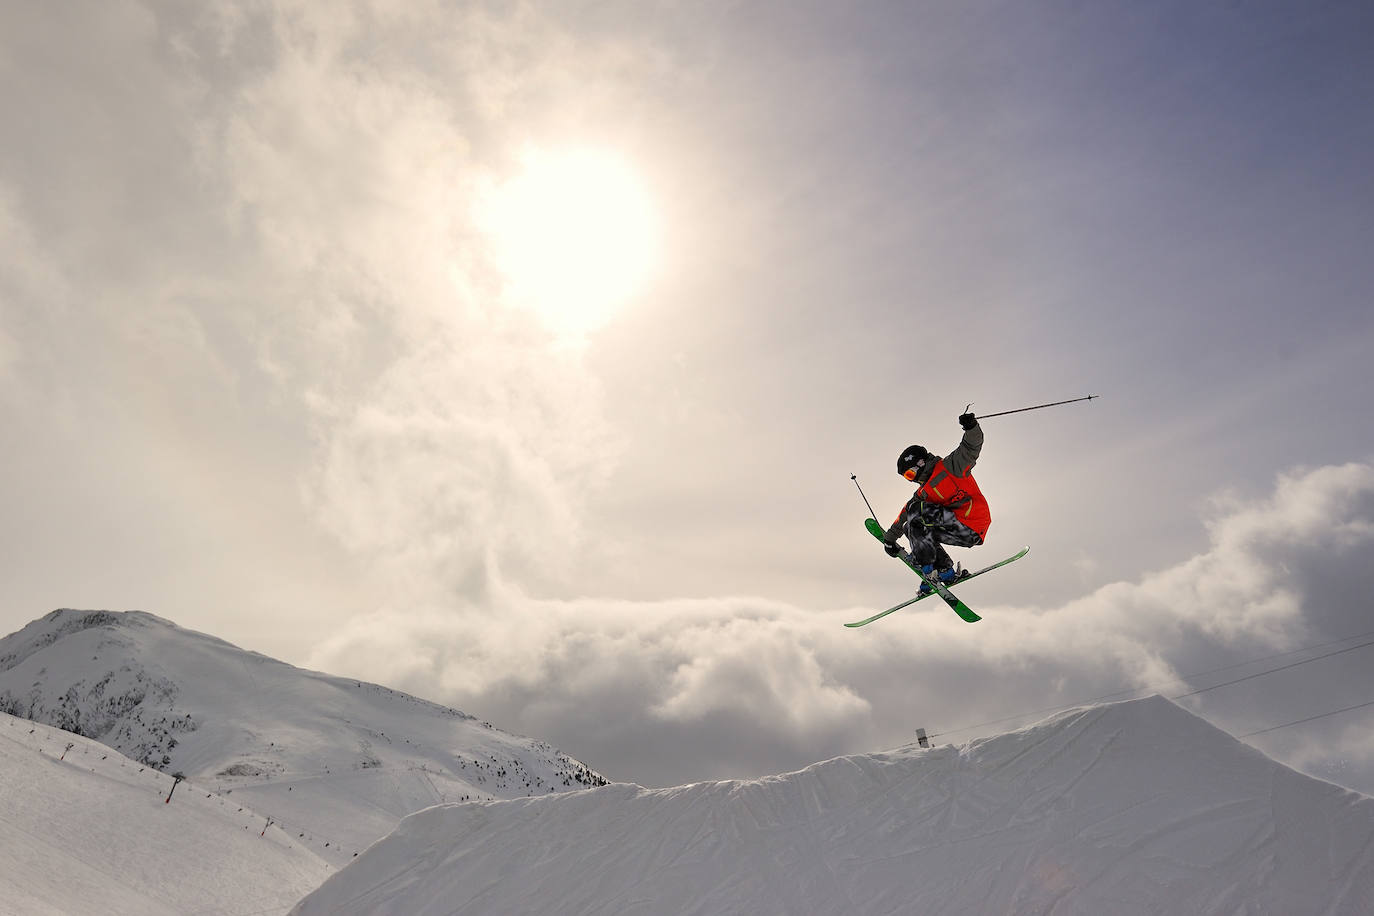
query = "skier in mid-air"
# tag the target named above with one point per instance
(947, 508)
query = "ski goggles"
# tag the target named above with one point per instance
(911, 472)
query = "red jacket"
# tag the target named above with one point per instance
(943, 488)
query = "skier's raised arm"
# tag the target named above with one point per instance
(962, 459)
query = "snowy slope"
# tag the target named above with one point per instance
(86, 830)
(1132, 808)
(336, 762)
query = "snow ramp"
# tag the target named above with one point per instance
(1129, 808)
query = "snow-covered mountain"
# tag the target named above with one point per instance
(1133, 808)
(86, 830)
(336, 762)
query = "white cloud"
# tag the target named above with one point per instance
(273, 295)
(452, 433)
(457, 459)
(33, 297)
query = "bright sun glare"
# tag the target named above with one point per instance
(574, 236)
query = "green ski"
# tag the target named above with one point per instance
(963, 610)
(973, 575)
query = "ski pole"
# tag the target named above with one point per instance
(985, 416)
(855, 478)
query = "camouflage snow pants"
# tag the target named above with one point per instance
(932, 528)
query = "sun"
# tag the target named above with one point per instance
(574, 236)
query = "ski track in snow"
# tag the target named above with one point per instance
(86, 830)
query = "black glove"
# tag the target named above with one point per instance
(967, 420)
(890, 545)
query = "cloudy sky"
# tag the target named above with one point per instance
(519, 355)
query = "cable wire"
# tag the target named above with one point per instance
(1182, 680)
(1334, 712)
(1248, 677)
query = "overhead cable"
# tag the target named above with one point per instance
(1334, 712)
(1182, 680)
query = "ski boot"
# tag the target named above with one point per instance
(947, 577)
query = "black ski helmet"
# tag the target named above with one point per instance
(912, 456)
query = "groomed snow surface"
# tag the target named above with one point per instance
(84, 830)
(1132, 808)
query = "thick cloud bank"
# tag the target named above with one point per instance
(675, 691)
